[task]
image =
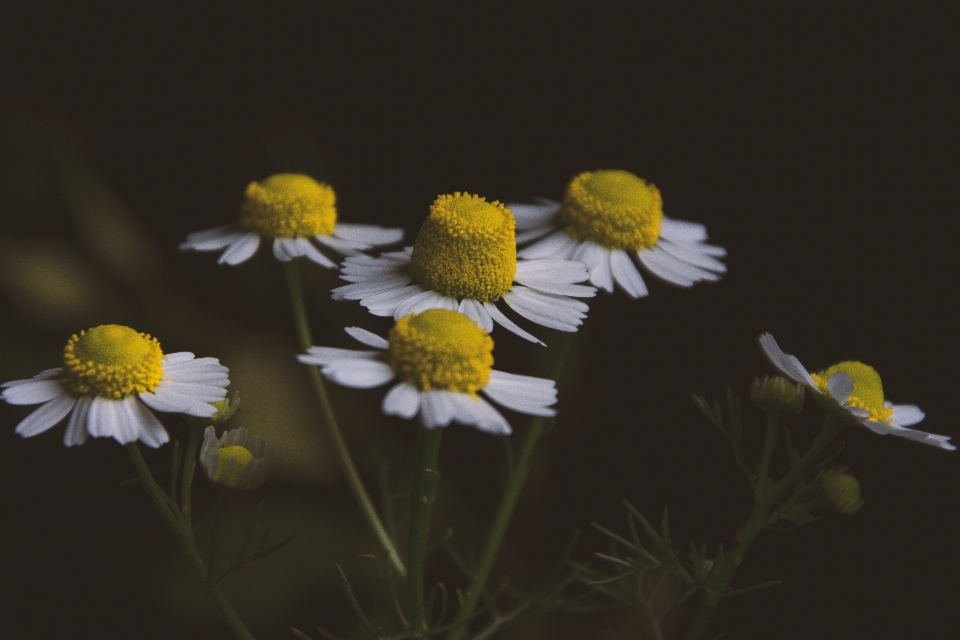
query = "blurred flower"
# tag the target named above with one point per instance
(841, 490)
(290, 208)
(465, 259)
(442, 359)
(777, 395)
(225, 408)
(237, 460)
(608, 216)
(109, 373)
(856, 388)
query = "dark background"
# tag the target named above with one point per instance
(817, 142)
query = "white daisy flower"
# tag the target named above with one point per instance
(465, 259)
(237, 460)
(110, 376)
(608, 217)
(290, 209)
(856, 387)
(442, 359)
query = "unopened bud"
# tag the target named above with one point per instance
(777, 395)
(841, 490)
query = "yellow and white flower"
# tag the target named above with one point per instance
(610, 218)
(291, 209)
(237, 460)
(856, 387)
(465, 259)
(111, 374)
(442, 361)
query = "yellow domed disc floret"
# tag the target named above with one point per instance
(867, 389)
(614, 209)
(289, 205)
(242, 456)
(441, 349)
(466, 248)
(111, 361)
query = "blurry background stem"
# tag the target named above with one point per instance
(185, 538)
(189, 464)
(425, 481)
(508, 503)
(353, 478)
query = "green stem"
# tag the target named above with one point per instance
(832, 427)
(183, 537)
(189, 465)
(215, 523)
(508, 503)
(768, 445)
(339, 445)
(425, 479)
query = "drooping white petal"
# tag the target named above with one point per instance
(150, 430)
(76, 432)
(402, 400)
(178, 359)
(342, 245)
(597, 260)
(46, 415)
(840, 386)
(128, 420)
(191, 399)
(932, 439)
(423, 301)
(626, 275)
(371, 287)
(699, 255)
(32, 391)
(552, 269)
(475, 412)
(556, 312)
(436, 408)
(103, 420)
(303, 247)
(322, 356)
(48, 374)
(525, 394)
(368, 233)
(682, 231)
(508, 324)
(475, 310)
(211, 239)
(358, 373)
(240, 250)
(906, 414)
(672, 269)
(529, 216)
(530, 235)
(556, 245)
(366, 337)
(787, 364)
(386, 303)
(282, 249)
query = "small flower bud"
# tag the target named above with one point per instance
(225, 408)
(777, 395)
(841, 490)
(237, 460)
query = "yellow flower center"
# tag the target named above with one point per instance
(289, 205)
(243, 457)
(614, 209)
(867, 389)
(441, 349)
(111, 361)
(466, 248)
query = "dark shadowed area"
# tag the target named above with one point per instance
(816, 141)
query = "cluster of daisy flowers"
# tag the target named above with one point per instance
(446, 294)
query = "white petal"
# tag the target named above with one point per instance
(178, 358)
(597, 259)
(103, 419)
(436, 408)
(32, 391)
(565, 271)
(342, 245)
(283, 249)
(211, 239)
(787, 364)
(76, 432)
(321, 356)
(522, 393)
(149, 430)
(240, 250)
(366, 337)
(672, 269)
(626, 274)
(840, 386)
(556, 312)
(489, 419)
(48, 374)
(370, 288)
(530, 235)
(906, 414)
(423, 301)
(402, 400)
(696, 254)
(682, 231)
(385, 304)
(529, 216)
(358, 373)
(476, 312)
(191, 399)
(933, 439)
(368, 233)
(556, 245)
(309, 251)
(46, 415)
(508, 324)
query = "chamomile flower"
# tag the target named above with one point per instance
(237, 460)
(111, 374)
(607, 220)
(465, 259)
(290, 209)
(856, 387)
(441, 360)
